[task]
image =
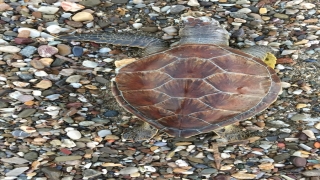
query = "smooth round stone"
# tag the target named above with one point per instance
(89, 64)
(77, 51)
(177, 9)
(25, 98)
(104, 50)
(281, 157)
(170, 30)
(111, 113)
(26, 113)
(74, 134)
(82, 16)
(137, 25)
(86, 123)
(19, 133)
(64, 49)
(73, 79)
(53, 29)
(299, 161)
(31, 156)
(47, 51)
(104, 132)
(128, 170)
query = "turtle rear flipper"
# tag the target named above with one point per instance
(148, 43)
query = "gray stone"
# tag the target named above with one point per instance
(28, 51)
(31, 156)
(128, 170)
(26, 113)
(67, 158)
(52, 173)
(90, 173)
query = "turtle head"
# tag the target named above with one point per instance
(203, 30)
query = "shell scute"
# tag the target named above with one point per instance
(182, 122)
(188, 88)
(238, 64)
(240, 83)
(141, 80)
(196, 51)
(191, 68)
(231, 102)
(183, 106)
(149, 64)
(146, 97)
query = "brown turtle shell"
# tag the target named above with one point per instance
(193, 89)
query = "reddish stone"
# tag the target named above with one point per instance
(21, 40)
(284, 61)
(65, 151)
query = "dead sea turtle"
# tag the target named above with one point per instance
(197, 86)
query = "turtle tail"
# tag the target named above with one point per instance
(149, 43)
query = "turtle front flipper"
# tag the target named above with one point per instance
(148, 43)
(265, 53)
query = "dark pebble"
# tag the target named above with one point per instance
(281, 157)
(272, 138)
(25, 76)
(3, 104)
(221, 177)
(299, 162)
(259, 38)
(310, 60)
(52, 173)
(77, 51)
(111, 114)
(31, 156)
(302, 136)
(238, 33)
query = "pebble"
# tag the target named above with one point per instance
(47, 51)
(82, 16)
(111, 114)
(26, 113)
(52, 173)
(299, 162)
(137, 25)
(77, 51)
(177, 9)
(16, 172)
(9, 49)
(309, 173)
(64, 49)
(128, 170)
(71, 6)
(89, 64)
(67, 158)
(28, 51)
(74, 134)
(48, 9)
(104, 132)
(73, 79)
(193, 3)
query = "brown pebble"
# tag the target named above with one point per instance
(74, 24)
(24, 34)
(299, 161)
(64, 49)
(284, 61)
(36, 64)
(37, 14)
(221, 177)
